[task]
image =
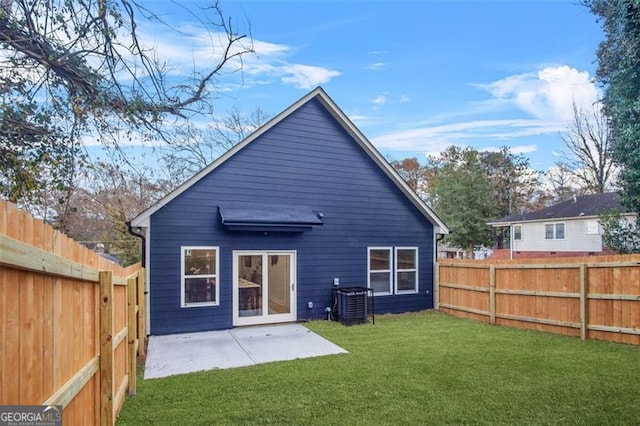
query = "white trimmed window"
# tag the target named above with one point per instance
(406, 270)
(592, 227)
(379, 276)
(517, 232)
(392, 270)
(199, 276)
(554, 231)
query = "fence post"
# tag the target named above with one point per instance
(106, 347)
(492, 293)
(436, 286)
(131, 333)
(141, 317)
(583, 302)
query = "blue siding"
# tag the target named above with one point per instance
(306, 159)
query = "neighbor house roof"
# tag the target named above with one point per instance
(582, 206)
(142, 220)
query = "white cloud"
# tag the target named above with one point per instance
(375, 66)
(359, 118)
(404, 98)
(547, 94)
(541, 100)
(421, 139)
(380, 99)
(194, 49)
(305, 76)
(518, 149)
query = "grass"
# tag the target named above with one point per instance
(422, 368)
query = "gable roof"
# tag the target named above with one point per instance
(142, 220)
(583, 206)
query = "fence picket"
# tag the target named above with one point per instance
(50, 321)
(593, 297)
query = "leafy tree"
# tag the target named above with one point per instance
(462, 196)
(619, 72)
(620, 234)
(73, 69)
(587, 142)
(512, 180)
(411, 171)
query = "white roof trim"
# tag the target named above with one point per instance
(142, 220)
(552, 219)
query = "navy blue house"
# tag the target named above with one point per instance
(264, 233)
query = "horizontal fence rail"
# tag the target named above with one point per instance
(593, 297)
(71, 322)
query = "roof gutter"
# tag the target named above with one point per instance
(144, 243)
(439, 238)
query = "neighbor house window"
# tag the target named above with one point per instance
(199, 276)
(517, 232)
(554, 231)
(592, 227)
(379, 260)
(406, 269)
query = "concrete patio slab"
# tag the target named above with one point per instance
(238, 347)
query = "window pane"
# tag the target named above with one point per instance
(406, 281)
(379, 281)
(548, 232)
(279, 284)
(592, 227)
(560, 231)
(406, 259)
(199, 290)
(379, 260)
(200, 262)
(250, 285)
(517, 232)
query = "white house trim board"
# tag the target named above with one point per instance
(147, 296)
(142, 220)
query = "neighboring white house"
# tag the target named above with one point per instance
(569, 228)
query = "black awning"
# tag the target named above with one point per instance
(274, 218)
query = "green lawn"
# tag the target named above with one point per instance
(424, 368)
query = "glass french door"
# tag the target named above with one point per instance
(264, 287)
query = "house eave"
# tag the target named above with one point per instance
(142, 220)
(548, 219)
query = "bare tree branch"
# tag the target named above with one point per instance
(589, 153)
(194, 148)
(84, 62)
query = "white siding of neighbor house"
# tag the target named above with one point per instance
(576, 237)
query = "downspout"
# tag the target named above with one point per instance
(439, 238)
(144, 243)
(436, 277)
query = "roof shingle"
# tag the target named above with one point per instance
(585, 205)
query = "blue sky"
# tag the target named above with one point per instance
(414, 76)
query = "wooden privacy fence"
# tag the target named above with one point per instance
(592, 297)
(71, 322)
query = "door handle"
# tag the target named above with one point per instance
(293, 286)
